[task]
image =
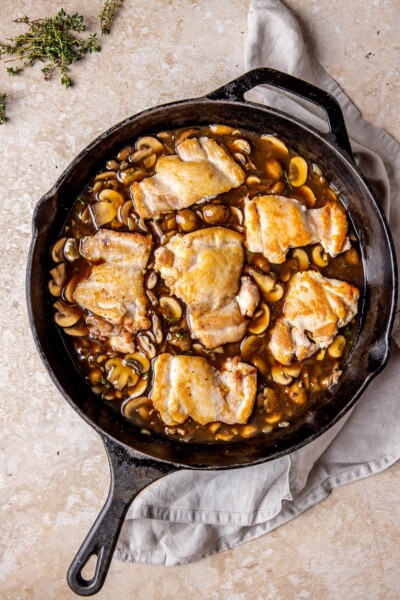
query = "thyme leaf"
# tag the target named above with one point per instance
(107, 14)
(51, 41)
(3, 97)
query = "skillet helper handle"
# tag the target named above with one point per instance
(129, 476)
(236, 89)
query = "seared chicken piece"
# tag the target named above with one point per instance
(315, 307)
(248, 297)
(114, 289)
(276, 223)
(201, 169)
(330, 226)
(188, 386)
(203, 269)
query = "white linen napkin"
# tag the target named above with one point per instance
(190, 514)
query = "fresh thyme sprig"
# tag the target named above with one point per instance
(107, 14)
(52, 41)
(3, 97)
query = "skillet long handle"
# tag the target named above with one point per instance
(129, 476)
(235, 90)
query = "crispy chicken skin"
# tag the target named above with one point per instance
(200, 169)
(203, 269)
(276, 223)
(188, 386)
(314, 305)
(114, 289)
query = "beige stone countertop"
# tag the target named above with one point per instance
(54, 473)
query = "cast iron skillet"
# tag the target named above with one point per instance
(136, 460)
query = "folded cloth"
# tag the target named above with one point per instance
(191, 514)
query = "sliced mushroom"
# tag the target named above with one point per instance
(150, 161)
(278, 188)
(139, 155)
(274, 418)
(298, 170)
(237, 214)
(262, 263)
(105, 175)
(112, 165)
(169, 223)
(76, 331)
(70, 288)
(249, 347)
(138, 389)
(276, 143)
(352, 257)
(248, 431)
(137, 361)
(214, 214)
(240, 158)
(150, 142)
(241, 145)
(124, 212)
(133, 403)
(146, 346)
(57, 250)
(171, 308)
(125, 152)
(221, 129)
(71, 250)
(308, 195)
(103, 213)
(152, 280)
(302, 259)
(336, 349)
(158, 333)
(266, 283)
(261, 364)
(276, 293)
(111, 196)
(130, 175)
(58, 273)
(224, 436)
(157, 229)
(66, 315)
(319, 256)
(259, 323)
(252, 180)
(273, 169)
(187, 220)
(270, 400)
(183, 135)
(54, 288)
(120, 375)
(286, 271)
(280, 375)
(86, 216)
(297, 393)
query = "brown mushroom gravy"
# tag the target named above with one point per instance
(125, 379)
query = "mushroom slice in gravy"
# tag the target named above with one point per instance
(200, 169)
(203, 268)
(114, 289)
(188, 386)
(316, 305)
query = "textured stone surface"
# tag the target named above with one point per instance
(54, 475)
